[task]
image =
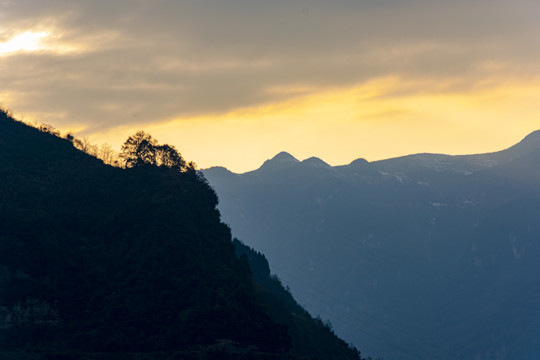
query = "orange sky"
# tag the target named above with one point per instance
(341, 125)
(234, 85)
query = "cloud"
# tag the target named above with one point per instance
(137, 62)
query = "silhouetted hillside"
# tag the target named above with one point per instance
(98, 262)
(426, 256)
(309, 335)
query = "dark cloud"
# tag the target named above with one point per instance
(154, 60)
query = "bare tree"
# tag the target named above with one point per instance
(107, 154)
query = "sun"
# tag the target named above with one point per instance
(27, 41)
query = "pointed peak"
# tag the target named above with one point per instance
(281, 161)
(284, 157)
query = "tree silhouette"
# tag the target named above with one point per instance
(139, 149)
(168, 156)
(107, 154)
(142, 149)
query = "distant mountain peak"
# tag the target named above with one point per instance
(315, 162)
(284, 157)
(532, 138)
(529, 144)
(219, 170)
(281, 161)
(359, 162)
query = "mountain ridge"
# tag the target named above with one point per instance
(441, 162)
(434, 255)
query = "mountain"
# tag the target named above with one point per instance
(309, 336)
(427, 256)
(98, 262)
(461, 163)
(281, 161)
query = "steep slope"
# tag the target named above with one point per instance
(98, 262)
(306, 338)
(420, 257)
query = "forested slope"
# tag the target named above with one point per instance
(99, 262)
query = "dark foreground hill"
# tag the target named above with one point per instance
(98, 262)
(425, 256)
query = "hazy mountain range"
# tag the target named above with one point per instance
(426, 256)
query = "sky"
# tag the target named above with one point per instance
(234, 82)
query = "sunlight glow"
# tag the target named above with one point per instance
(50, 41)
(27, 41)
(375, 120)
